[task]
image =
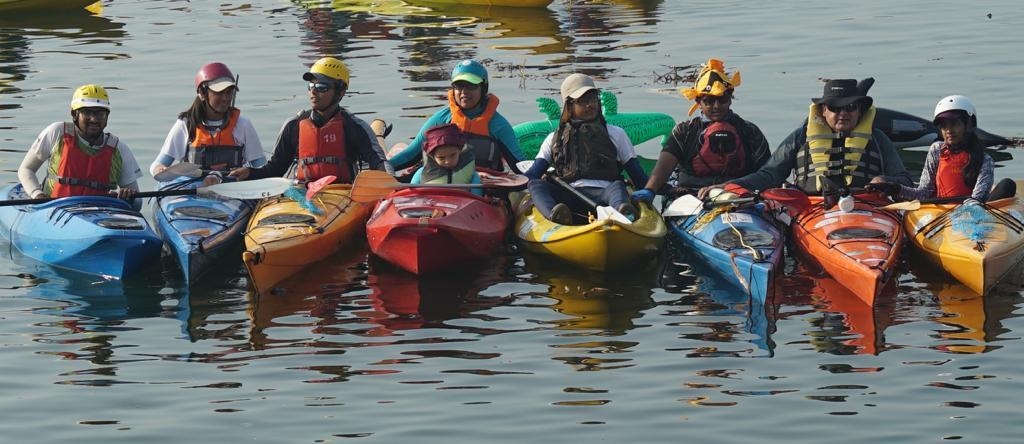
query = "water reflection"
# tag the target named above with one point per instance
(18, 32)
(968, 323)
(714, 311)
(846, 324)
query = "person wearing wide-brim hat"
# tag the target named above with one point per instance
(837, 147)
(713, 147)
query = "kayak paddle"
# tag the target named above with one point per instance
(252, 189)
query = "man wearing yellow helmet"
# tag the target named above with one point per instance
(81, 159)
(325, 140)
(713, 147)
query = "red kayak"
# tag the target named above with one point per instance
(858, 248)
(425, 230)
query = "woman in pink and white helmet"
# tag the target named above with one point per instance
(212, 133)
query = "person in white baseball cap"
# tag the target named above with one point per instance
(588, 154)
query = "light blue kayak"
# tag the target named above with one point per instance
(200, 230)
(743, 245)
(97, 235)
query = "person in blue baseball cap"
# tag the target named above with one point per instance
(474, 110)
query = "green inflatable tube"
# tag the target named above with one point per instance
(640, 127)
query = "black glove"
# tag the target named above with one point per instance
(886, 188)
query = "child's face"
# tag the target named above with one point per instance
(952, 130)
(447, 156)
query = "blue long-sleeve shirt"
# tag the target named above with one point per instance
(499, 127)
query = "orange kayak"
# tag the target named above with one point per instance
(858, 248)
(283, 237)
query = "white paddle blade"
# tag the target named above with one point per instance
(685, 205)
(524, 165)
(250, 189)
(908, 206)
(180, 169)
(606, 213)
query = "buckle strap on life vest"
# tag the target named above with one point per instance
(320, 159)
(86, 183)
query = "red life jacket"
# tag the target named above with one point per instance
(217, 151)
(721, 152)
(80, 173)
(322, 151)
(949, 176)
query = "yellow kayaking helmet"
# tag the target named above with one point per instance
(328, 69)
(90, 96)
(711, 81)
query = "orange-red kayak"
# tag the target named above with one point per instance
(858, 248)
(426, 230)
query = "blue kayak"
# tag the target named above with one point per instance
(90, 234)
(200, 230)
(743, 244)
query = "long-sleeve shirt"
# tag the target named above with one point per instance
(783, 161)
(499, 129)
(926, 186)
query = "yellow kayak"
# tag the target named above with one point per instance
(48, 6)
(502, 3)
(601, 245)
(283, 237)
(977, 245)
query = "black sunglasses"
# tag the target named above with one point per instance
(319, 87)
(850, 107)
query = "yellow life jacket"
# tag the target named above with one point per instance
(856, 160)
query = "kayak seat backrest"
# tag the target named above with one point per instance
(291, 219)
(745, 238)
(857, 233)
(200, 212)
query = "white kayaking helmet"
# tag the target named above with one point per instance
(956, 106)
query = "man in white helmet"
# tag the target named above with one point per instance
(81, 158)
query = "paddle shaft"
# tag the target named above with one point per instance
(571, 189)
(184, 192)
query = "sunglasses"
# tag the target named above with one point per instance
(711, 100)
(848, 108)
(319, 87)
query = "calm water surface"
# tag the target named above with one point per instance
(518, 350)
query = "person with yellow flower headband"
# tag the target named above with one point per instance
(713, 147)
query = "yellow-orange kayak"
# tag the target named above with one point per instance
(502, 3)
(43, 6)
(976, 244)
(283, 237)
(601, 245)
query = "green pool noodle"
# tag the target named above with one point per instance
(640, 127)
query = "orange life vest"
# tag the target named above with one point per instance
(478, 125)
(949, 176)
(478, 130)
(322, 151)
(80, 173)
(217, 150)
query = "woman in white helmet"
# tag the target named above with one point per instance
(81, 158)
(957, 165)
